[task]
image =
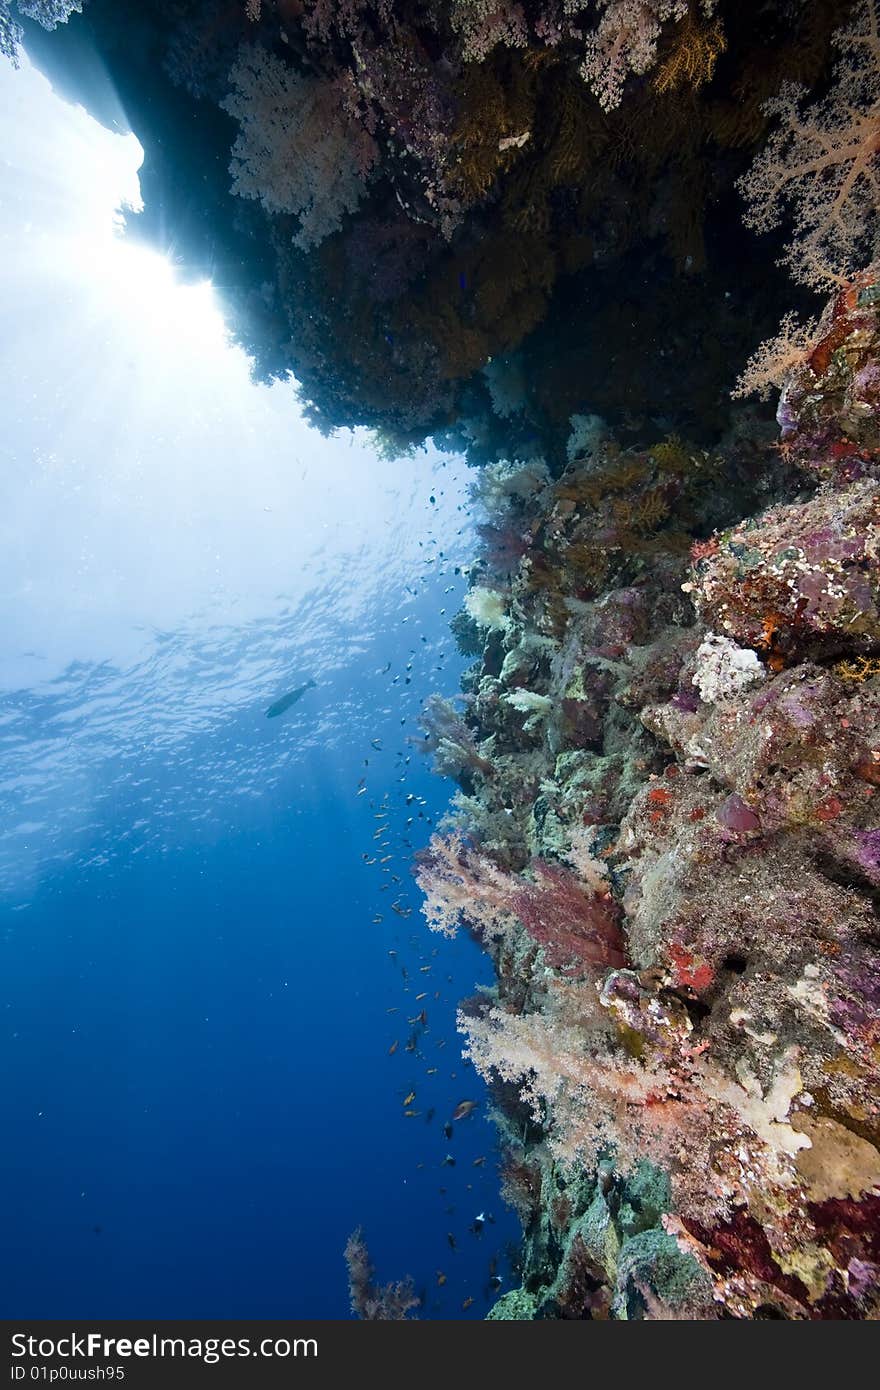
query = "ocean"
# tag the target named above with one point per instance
(202, 976)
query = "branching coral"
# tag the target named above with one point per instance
(463, 886)
(772, 361)
(448, 737)
(624, 42)
(578, 925)
(369, 1301)
(821, 163)
(593, 1098)
(575, 920)
(298, 151)
(694, 54)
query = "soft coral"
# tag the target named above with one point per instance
(822, 162)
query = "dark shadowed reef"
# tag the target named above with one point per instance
(414, 198)
(573, 241)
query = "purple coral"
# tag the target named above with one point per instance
(575, 926)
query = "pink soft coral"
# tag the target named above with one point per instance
(821, 163)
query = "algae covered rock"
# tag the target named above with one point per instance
(656, 1278)
(514, 1306)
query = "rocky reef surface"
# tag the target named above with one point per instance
(667, 836)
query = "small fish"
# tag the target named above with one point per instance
(448, 1162)
(441, 1277)
(360, 791)
(463, 1109)
(478, 1162)
(432, 1071)
(467, 1303)
(378, 918)
(393, 1048)
(287, 700)
(376, 744)
(447, 1130)
(451, 1240)
(412, 1114)
(410, 1098)
(423, 995)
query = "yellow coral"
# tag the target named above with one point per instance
(692, 60)
(671, 455)
(862, 669)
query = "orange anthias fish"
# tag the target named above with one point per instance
(410, 1098)
(393, 1048)
(463, 1109)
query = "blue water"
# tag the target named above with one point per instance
(197, 1007)
(200, 1102)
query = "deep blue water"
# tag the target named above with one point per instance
(200, 1102)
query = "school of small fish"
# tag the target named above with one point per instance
(418, 1047)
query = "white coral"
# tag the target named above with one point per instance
(297, 150)
(537, 707)
(724, 669)
(486, 607)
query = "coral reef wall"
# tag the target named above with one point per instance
(668, 839)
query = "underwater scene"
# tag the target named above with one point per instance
(440, 659)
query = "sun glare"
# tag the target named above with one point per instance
(145, 290)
